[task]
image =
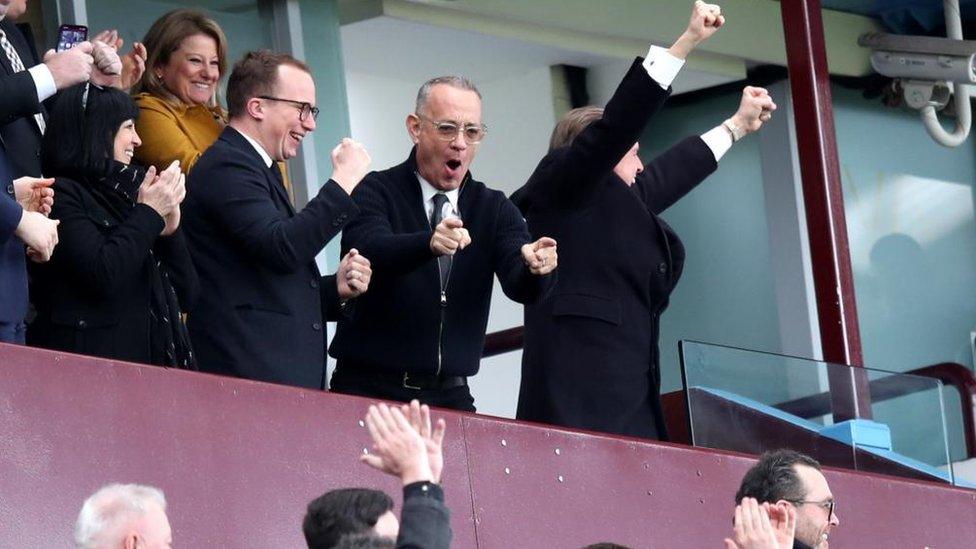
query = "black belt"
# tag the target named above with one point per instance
(406, 380)
(431, 381)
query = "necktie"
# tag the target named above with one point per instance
(18, 66)
(444, 261)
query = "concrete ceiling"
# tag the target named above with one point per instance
(403, 49)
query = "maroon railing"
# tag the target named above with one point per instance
(239, 460)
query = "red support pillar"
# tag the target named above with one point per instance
(824, 201)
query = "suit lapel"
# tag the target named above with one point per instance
(237, 141)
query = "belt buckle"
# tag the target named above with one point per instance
(406, 378)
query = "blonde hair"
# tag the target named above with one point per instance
(165, 37)
(572, 124)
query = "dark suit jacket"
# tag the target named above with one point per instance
(20, 133)
(591, 355)
(401, 324)
(13, 270)
(94, 296)
(260, 312)
(18, 98)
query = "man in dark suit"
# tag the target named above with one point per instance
(22, 125)
(437, 236)
(23, 220)
(590, 359)
(260, 313)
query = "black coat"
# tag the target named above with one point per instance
(260, 312)
(591, 348)
(20, 133)
(400, 324)
(95, 294)
(425, 521)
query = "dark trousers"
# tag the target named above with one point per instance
(389, 386)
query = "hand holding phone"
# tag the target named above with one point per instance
(70, 35)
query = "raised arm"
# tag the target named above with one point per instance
(674, 173)
(642, 92)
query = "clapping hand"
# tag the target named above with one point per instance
(398, 448)
(34, 194)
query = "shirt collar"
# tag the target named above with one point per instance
(257, 147)
(428, 191)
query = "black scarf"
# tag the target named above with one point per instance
(115, 187)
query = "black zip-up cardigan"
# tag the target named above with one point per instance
(398, 325)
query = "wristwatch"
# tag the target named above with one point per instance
(735, 131)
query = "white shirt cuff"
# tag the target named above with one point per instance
(661, 66)
(43, 81)
(719, 140)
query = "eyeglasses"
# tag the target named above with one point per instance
(448, 130)
(304, 107)
(826, 504)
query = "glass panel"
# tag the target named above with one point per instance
(749, 401)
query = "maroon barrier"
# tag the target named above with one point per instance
(239, 460)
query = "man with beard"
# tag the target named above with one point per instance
(786, 478)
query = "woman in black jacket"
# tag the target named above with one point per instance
(121, 275)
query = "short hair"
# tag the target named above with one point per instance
(606, 545)
(572, 124)
(81, 129)
(364, 541)
(458, 82)
(111, 507)
(342, 512)
(254, 75)
(774, 478)
(165, 37)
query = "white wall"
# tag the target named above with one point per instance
(518, 111)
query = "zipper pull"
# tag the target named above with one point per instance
(443, 299)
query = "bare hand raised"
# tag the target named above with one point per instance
(398, 449)
(755, 108)
(350, 163)
(70, 67)
(449, 237)
(706, 19)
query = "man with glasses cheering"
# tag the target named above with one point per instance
(436, 236)
(785, 478)
(263, 304)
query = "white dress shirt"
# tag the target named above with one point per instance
(663, 67)
(428, 191)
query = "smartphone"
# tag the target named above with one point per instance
(69, 35)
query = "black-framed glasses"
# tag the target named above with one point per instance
(303, 106)
(827, 504)
(447, 130)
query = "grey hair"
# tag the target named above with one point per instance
(112, 506)
(458, 82)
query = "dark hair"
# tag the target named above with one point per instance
(572, 124)
(606, 545)
(365, 541)
(773, 477)
(254, 75)
(341, 512)
(81, 128)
